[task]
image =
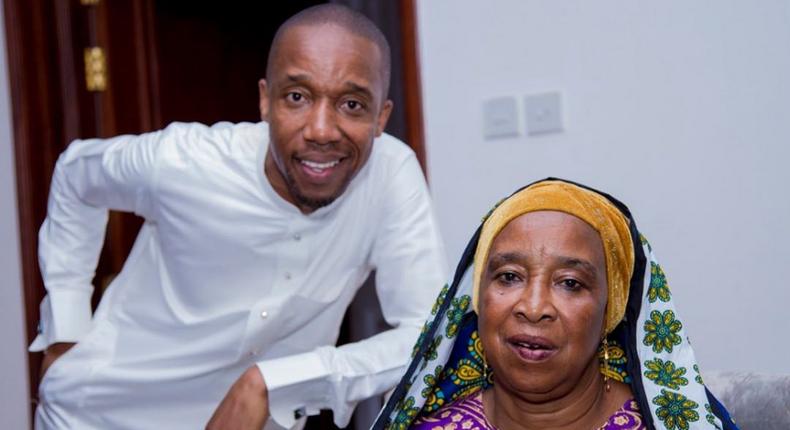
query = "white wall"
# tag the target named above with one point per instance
(680, 109)
(14, 404)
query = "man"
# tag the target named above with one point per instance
(256, 238)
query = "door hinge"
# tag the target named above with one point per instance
(95, 69)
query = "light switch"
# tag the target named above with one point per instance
(500, 118)
(543, 113)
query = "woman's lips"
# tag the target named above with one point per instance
(532, 348)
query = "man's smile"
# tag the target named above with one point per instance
(320, 170)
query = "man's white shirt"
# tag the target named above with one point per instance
(224, 274)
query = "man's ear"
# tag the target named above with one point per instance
(263, 100)
(384, 116)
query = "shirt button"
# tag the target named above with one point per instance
(297, 237)
(264, 314)
(288, 275)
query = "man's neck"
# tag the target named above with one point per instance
(587, 405)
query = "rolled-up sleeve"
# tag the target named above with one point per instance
(91, 177)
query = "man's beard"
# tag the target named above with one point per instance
(304, 201)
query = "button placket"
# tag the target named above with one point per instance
(293, 258)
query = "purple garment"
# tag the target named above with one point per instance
(467, 414)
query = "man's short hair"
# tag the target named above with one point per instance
(346, 18)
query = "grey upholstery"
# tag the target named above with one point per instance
(755, 401)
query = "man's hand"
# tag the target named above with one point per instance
(245, 407)
(52, 353)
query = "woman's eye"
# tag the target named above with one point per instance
(571, 284)
(508, 277)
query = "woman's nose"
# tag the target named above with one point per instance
(536, 302)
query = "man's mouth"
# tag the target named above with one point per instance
(319, 171)
(319, 167)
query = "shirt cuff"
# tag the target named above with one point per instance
(297, 386)
(65, 317)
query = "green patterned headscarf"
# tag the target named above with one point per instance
(649, 350)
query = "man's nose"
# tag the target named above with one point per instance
(322, 127)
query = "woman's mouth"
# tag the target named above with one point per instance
(532, 348)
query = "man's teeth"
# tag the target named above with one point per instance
(320, 166)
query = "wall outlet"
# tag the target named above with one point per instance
(543, 113)
(500, 118)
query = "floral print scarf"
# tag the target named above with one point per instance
(649, 350)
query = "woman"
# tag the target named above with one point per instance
(564, 320)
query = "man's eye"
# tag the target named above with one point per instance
(353, 105)
(571, 284)
(294, 97)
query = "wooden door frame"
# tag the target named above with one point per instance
(415, 133)
(51, 107)
(47, 113)
(35, 102)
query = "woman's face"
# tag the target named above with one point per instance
(542, 303)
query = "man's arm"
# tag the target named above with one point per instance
(91, 177)
(52, 353)
(245, 407)
(410, 270)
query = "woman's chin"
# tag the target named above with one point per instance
(534, 390)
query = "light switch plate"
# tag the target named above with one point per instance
(543, 113)
(500, 118)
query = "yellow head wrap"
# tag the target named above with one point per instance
(589, 206)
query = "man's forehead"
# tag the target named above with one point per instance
(326, 52)
(324, 36)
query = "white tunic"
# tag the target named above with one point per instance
(224, 274)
